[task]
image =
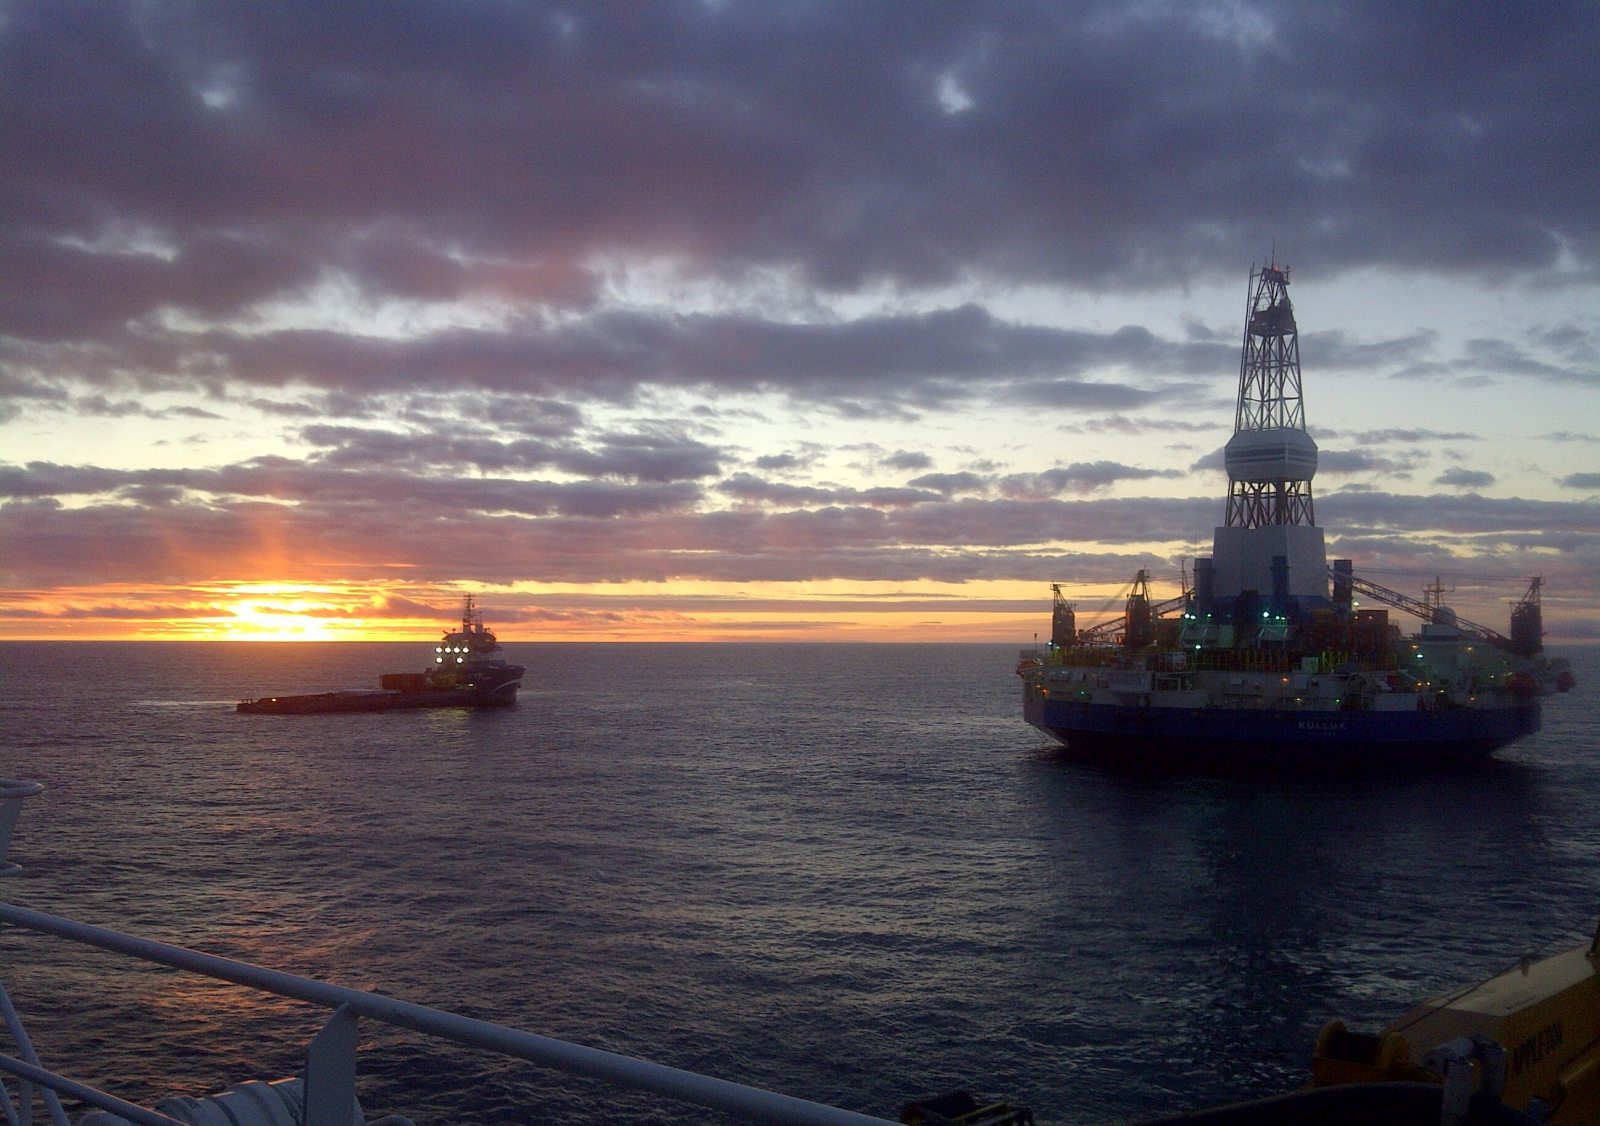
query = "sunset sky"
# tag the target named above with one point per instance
(775, 320)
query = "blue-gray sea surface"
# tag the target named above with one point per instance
(844, 872)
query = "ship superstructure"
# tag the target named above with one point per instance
(469, 651)
(1269, 656)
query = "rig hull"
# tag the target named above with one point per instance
(1436, 700)
(1287, 738)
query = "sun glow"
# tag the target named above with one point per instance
(229, 612)
(286, 623)
(285, 612)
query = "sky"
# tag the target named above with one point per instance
(775, 321)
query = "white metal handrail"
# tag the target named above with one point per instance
(330, 1070)
(43, 1077)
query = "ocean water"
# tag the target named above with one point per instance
(850, 873)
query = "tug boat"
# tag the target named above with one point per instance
(1521, 1048)
(1526, 1040)
(467, 672)
(1257, 663)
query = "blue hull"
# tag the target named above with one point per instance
(1283, 738)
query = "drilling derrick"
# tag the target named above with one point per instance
(1269, 542)
(1271, 458)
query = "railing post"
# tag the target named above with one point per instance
(331, 1071)
(12, 791)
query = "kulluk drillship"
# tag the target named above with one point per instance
(1269, 656)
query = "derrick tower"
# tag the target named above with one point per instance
(1269, 542)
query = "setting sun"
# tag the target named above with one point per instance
(286, 623)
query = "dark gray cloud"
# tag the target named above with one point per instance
(658, 457)
(1484, 361)
(746, 488)
(100, 406)
(1464, 479)
(1387, 513)
(1458, 478)
(1082, 477)
(1338, 462)
(1138, 427)
(1338, 351)
(908, 460)
(910, 361)
(208, 156)
(1410, 435)
(951, 483)
(1581, 481)
(311, 486)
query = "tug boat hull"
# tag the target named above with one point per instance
(326, 703)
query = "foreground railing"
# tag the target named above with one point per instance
(329, 1092)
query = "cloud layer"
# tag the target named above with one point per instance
(744, 293)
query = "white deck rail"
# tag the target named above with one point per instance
(331, 1056)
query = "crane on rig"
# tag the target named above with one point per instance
(1140, 613)
(1525, 619)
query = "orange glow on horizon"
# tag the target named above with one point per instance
(221, 612)
(998, 612)
(286, 612)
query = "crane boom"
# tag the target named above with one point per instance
(1109, 630)
(1424, 610)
